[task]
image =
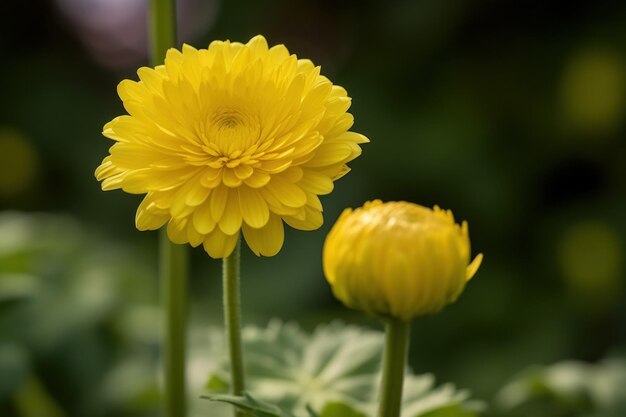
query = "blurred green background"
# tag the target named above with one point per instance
(512, 114)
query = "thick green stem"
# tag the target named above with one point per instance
(232, 321)
(173, 258)
(162, 21)
(394, 363)
(173, 271)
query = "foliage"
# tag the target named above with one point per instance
(334, 371)
(572, 389)
(69, 302)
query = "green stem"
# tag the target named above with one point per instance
(173, 258)
(162, 21)
(173, 271)
(232, 320)
(394, 363)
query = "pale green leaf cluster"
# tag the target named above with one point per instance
(333, 372)
(569, 388)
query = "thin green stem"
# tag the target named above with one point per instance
(232, 321)
(394, 363)
(173, 271)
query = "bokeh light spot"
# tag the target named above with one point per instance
(594, 91)
(590, 258)
(19, 163)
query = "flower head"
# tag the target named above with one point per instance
(398, 259)
(227, 139)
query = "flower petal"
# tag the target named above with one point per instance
(315, 182)
(267, 240)
(292, 174)
(218, 202)
(197, 194)
(177, 230)
(193, 236)
(243, 171)
(149, 216)
(202, 220)
(257, 179)
(312, 220)
(230, 178)
(287, 193)
(212, 178)
(473, 267)
(313, 201)
(218, 244)
(330, 153)
(230, 223)
(190, 195)
(253, 207)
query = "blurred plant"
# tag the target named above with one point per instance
(333, 372)
(74, 310)
(572, 389)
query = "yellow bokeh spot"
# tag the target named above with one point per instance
(591, 262)
(594, 91)
(19, 163)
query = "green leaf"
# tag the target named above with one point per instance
(335, 371)
(68, 303)
(422, 399)
(340, 410)
(216, 384)
(455, 410)
(258, 408)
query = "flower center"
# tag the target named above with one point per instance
(232, 130)
(228, 120)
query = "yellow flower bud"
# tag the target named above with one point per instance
(398, 259)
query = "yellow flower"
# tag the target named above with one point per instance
(398, 259)
(227, 139)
